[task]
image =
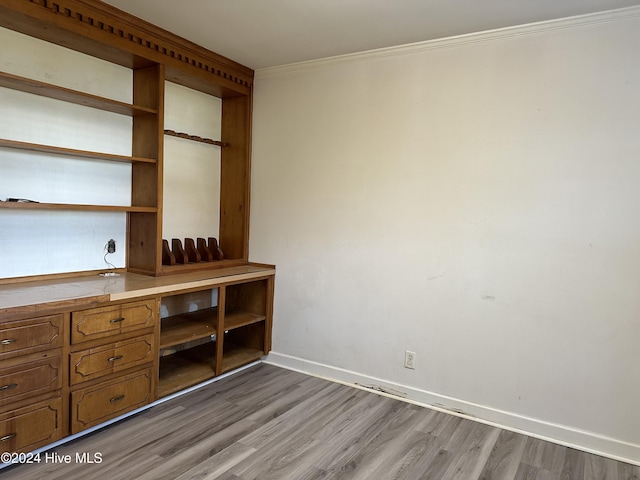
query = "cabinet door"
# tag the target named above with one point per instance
(28, 336)
(115, 357)
(103, 322)
(31, 427)
(22, 380)
(93, 405)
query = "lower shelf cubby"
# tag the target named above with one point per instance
(243, 345)
(236, 356)
(186, 368)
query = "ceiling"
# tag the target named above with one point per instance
(267, 33)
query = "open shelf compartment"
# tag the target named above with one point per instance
(243, 345)
(186, 368)
(245, 304)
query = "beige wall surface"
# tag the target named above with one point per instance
(474, 201)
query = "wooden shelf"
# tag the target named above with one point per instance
(36, 87)
(71, 152)
(186, 368)
(240, 319)
(75, 207)
(188, 327)
(235, 357)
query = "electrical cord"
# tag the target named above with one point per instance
(107, 252)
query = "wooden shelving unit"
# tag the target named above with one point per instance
(240, 325)
(155, 56)
(199, 345)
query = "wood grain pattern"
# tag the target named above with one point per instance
(269, 423)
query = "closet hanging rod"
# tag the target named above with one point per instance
(195, 138)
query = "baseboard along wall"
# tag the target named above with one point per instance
(561, 434)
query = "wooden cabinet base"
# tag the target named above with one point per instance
(103, 359)
(28, 428)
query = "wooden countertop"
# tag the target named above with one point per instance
(34, 297)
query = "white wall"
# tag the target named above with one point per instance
(473, 200)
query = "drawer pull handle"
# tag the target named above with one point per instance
(117, 357)
(117, 320)
(8, 341)
(117, 398)
(9, 387)
(6, 438)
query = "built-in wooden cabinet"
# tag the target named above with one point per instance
(213, 331)
(111, 362)
(77, 349)
(87, 358)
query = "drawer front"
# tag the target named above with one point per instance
(31, 427)
(29, 336)
(106, 321)
(94, 405)
(28, 379)
(100, 361)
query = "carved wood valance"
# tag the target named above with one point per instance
(103, 31)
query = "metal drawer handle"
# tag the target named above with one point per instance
(8, 341)
(117, 357)
(117, 320)
(117, 399)
(8, 437)
(9, 387)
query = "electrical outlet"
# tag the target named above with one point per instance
(409, 359)
(111, 246)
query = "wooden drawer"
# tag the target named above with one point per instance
(34, 376)
(31, 427)
(106, 321)
(28, 336)
(97, 362)
(93, 405)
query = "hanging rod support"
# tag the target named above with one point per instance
(195, 138)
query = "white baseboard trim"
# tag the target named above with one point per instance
(553, 432)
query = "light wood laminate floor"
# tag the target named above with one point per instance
(270, 423)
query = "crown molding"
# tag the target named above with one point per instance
(536, 28)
